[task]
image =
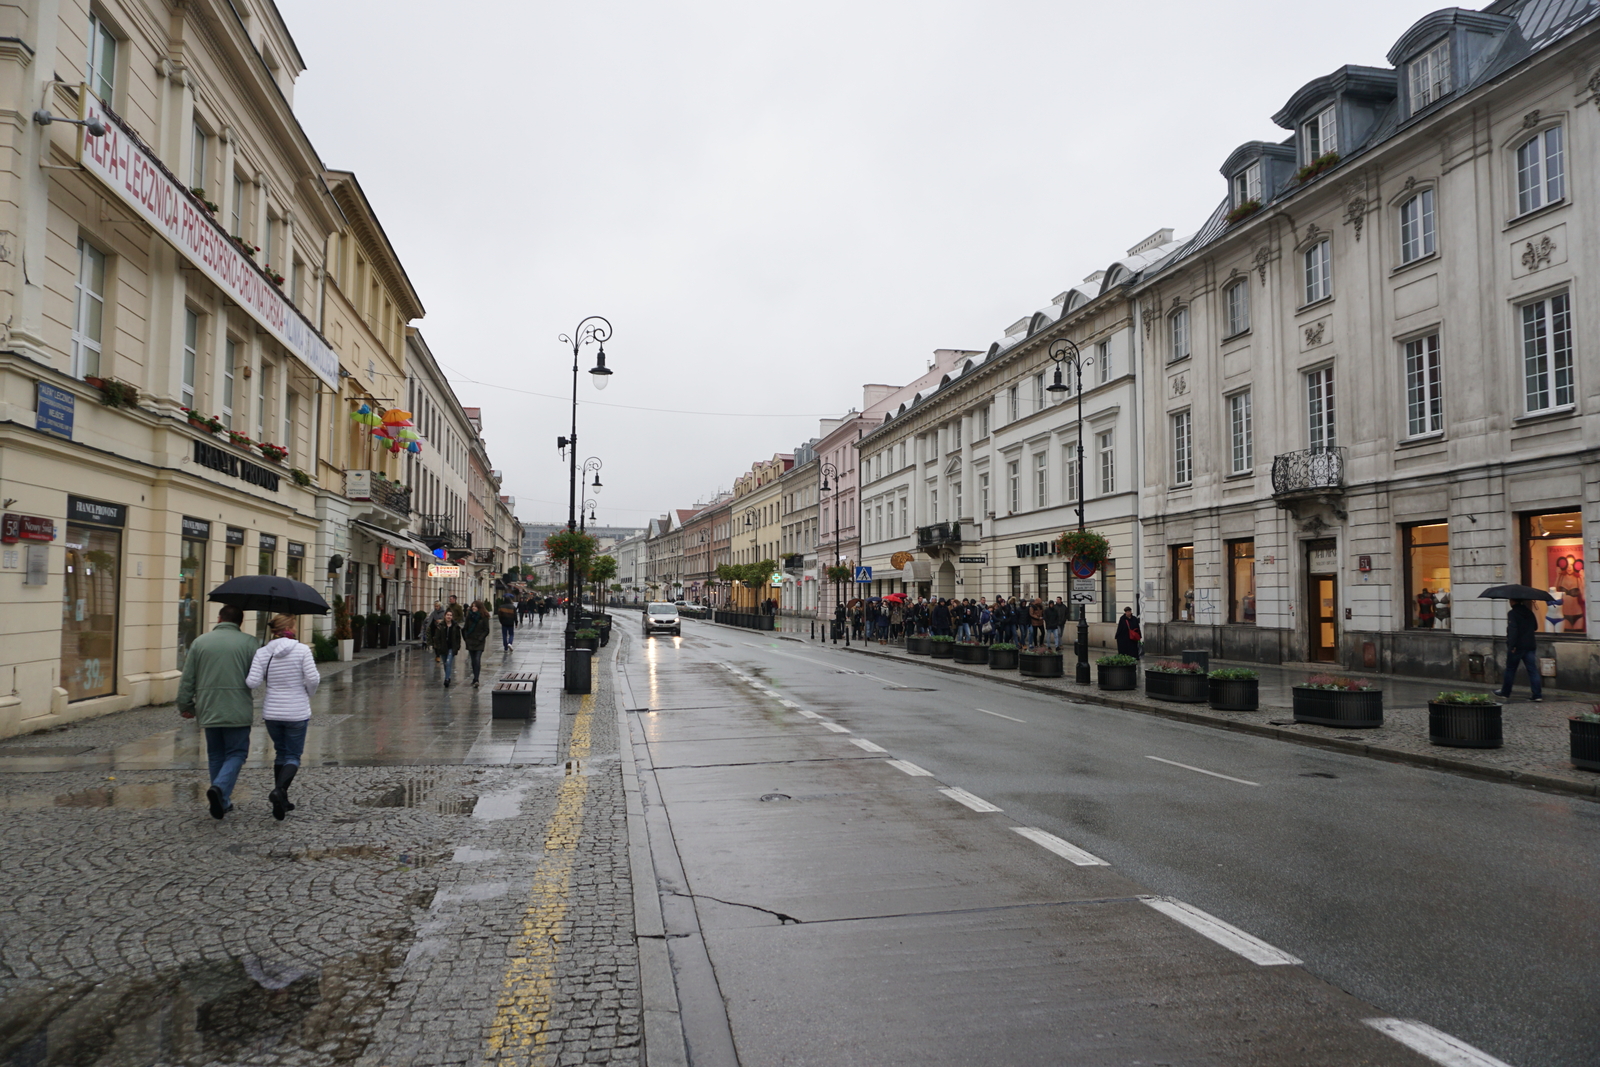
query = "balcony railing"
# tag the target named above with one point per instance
(484, 555)
(794, 563)
(373, 487)
(1311, 470)
(945, 533)
(439, 532)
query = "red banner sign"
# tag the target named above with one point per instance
(14, 528)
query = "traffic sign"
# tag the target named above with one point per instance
(1076, 597)
(1083, 585)
(863, 574)
(1083, 568)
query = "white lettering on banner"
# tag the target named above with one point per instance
(119, 160)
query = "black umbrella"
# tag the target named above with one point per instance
(268, 592)
(1516, 592)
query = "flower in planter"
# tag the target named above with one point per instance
(1244, 211)
(1456, 696)
(239, 439)
(1335, 682)
(943, 640)
(300, 477)
(1117, 660)
(1085, 545)
(1172, 666)
(1326, 161)
(1592, 715)
(1002, 646)
(1234, 674)
(273, 452)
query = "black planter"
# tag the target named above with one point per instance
(1585, 744)
(1464, 725)
(919, 646)
(1118, 679)
(976, 655)
(591, 643)
(1241, 694)
(1339, 707)
(578, 669)
(1002, 659)
(1039, 664)
(1178, 688)
(941, 649)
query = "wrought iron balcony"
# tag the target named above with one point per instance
(945, 533)
(484, 555)
(439, 532)
(794, 563)
(371, 487)
(1311, 470)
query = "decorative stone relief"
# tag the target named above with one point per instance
(1593, 86)
(1411, 183)
(1152, 311)
(1537, 254)
(1180, 384)
(1355, 213)
(1311, 232)
(1263, 257)
(1531, 119)
(1314, 333)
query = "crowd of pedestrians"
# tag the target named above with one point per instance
(1034, 623)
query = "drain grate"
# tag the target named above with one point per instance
(776, 796)
(1348, 737)
(908, 689)
(1317, 774)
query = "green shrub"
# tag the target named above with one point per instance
(1117, 660)
(324, 649)
(1592, 715)
(1002, 646)
(944, 640)
(1234, 674)
(1456, 696)
(586, 635)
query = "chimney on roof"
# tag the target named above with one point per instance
(1155, 240)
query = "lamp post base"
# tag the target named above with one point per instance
(1081, 647)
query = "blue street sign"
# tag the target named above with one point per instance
(863, 574)
(56, 407)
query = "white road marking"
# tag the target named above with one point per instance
(910, 768)
(789, 704)
(808, 714)
(835, 727)
(1437, 1045)
(821, 663)
(1229, 937)
(862, 742)
(1200, 770)
(1064, 849)
(997, 715)
(961, 796)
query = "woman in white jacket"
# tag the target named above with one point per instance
(287, 669)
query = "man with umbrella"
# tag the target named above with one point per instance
(1521, 626)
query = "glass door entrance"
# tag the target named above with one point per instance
(1322, 599)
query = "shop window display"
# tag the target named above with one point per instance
(1427, 559)
(1552, 560)
(89, 609)
(191, 587)
(1242, 582)
(1183, 583)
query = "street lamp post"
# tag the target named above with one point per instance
(752, 521)
(596, 329)
(1065, 351)
(828, 470)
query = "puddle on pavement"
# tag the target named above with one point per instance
(418, 793)
(496, 806)
(132, 796)
(468, 854)
(229, 1011)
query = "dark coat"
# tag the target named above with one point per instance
(1520, 629)
(1126, 645)
(941, 617)
(475, 631)
(446, 638)
(1054, 615)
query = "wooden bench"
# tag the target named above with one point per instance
(513, 696)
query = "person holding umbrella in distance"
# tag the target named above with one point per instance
(1521, 627)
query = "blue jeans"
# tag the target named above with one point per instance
(1052, 638)
(1529, 660)
(227, 747)
(288, 741)
(506, 632)
(449, 666)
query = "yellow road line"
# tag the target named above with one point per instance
(521, 1023)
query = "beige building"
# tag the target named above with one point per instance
(756, 512)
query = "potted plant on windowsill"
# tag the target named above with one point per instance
(970, 653)
(1039, 662)
(1118, 673)
(115, 393)
(246, 247)
(271, 453)
(1464, 720)
(1326, 161)
(237, 438)
(919, 644)
(942, 647)
(300, 477)
(1182, 683)
(1243, 211)
(1235, 689)
(1584, 729)
(208, 423)
(1333, 700)
(1002, 656)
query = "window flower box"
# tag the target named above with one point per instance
(208, 423)
(1234, 689)
(300, 477)
(1326, 161)
(235, 437)
(919, 645)
(272, 453)
(1118, 673)
(1002, 656)
(115, 393)
(971, 654)
(942, 647)
(1585, 735)
(1243, 211)
(1464, 720)
(1181, 683)
(1329, 700)
(1033, 664)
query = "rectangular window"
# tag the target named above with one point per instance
(1038, 392)
(238, 206)
(1247, 185)
(1238, 307)
(1179, 328)
(1182, 448)
(1041, 581)
(1319, 410)
(1014, 486)
(1016, 409)
(261, 400)
(101, 70)
(1070, 473)
(983, 496)
(1547, 354)
(1321, 135)
(1319, 272)
(1041, 485)
(191, 586)
(1427, 559)
(1242, 582)
(1430, 76)
(197, 158)
(1108, 591)
(1416, 227)
(90, 605)
(905, 516)
(1541, 171)
(955, 497)
(1424, 387)
(1102, 360)
(1552, 559)
(933, 505)
(1241, 434)
(1183, 583)
(983, 421)
(191, 339)
(1108, 463)
(230, 366)
(89, 313)
(1016, 582)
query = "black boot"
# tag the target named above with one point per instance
(280, 794)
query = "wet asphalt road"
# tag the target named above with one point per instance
(1471, 906)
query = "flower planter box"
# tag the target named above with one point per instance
(919, 646)
(1239, 694)
(1039, 664)
(975, 655)
(1585, 744)
(1118, 679)
(347, 650)
(941, 649)
(1339, 707)
(1464, 725)
(1002, 659)
(1179, 688)
(591, 643)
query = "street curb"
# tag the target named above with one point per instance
(664, 1044)
(1527, 779)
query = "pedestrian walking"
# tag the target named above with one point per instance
(212, 691)
(474, 635)
(541, 606)
(434, 618)
(447, 642)
(508, 622)
(1129, 635)
(1521, 626)
(287, 673)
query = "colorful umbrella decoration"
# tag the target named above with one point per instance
(393, 425)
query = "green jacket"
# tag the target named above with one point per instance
(213, 686)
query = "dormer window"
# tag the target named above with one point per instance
(1319, 136)
(1430, 76)
(1247, 185)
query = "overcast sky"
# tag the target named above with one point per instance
(773, 203)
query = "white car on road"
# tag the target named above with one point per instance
(662, 616)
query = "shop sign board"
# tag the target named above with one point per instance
(81, 509)
(444, 570)
(14, 528)
(214, 458)
(297, 550)
(973, 559)
(269, 542)
(55, 410)
(138, 179)
(196, 529)
(235, 536)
